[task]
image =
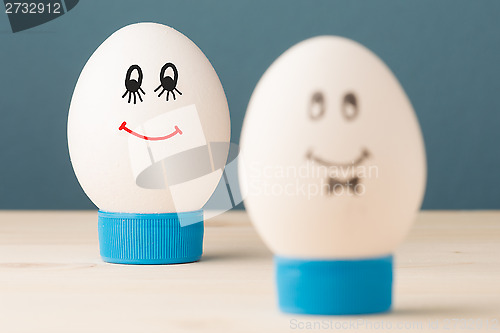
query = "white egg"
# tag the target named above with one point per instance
(333, 160)
(148, 126)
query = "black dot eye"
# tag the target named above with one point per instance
(168, 83)
(133, 86)
(317, 106)
(350, 107)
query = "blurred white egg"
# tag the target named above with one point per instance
(333, 160)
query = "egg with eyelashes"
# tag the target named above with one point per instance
(147, 101)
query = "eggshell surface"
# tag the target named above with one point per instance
(146, 110)
(332, 161)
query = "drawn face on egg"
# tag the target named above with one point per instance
(349, 109)
(148, 123)
(133, 89)
(332, 153)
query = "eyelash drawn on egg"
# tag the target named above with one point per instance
(133, 86)
(168, 83)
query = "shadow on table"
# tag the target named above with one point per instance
(235, 256)
(452, 311)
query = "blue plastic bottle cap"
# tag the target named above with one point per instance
(151, 239)
(334, 287)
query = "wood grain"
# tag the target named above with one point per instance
(52, 280)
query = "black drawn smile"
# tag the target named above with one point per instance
(363, 156)
(333, 183)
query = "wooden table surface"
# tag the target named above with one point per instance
(447, 279)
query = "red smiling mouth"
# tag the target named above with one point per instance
(124, 127)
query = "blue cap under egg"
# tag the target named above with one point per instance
(151, 239)
(334, 287)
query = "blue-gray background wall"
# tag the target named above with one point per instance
(446, 54)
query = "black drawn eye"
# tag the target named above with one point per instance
(133, 86)
(317, 106)
(350, 108)
(168, 83)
